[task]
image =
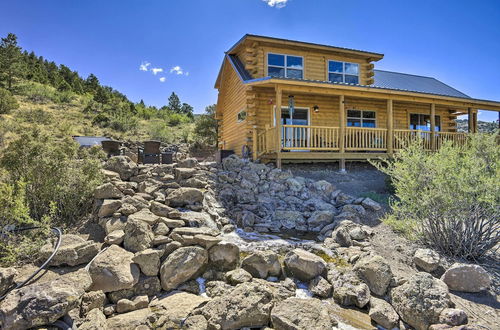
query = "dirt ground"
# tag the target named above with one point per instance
(363, 180)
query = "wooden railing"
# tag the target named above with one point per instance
(299, 137)
(265, 141)
(363, 138)
(456, 138)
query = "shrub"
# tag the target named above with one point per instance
(161, 132)
(7, 102)
(123, 123)
(451, 197)
(206, 126)
(53, 174)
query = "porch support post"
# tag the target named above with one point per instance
(278, 126)
(254, 142)
(433, 127)
(342, 125)
(469, 120)
(475, 121)
(390, 127)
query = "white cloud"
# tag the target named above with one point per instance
(177, 70)
(162, 79)
(156, 70)
(276, 3)
(144, 66)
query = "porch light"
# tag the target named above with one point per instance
(316, 109)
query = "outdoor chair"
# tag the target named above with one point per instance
(111, 147)
(150, 154)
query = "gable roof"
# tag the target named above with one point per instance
(414, 83)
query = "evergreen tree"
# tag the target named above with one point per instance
(206, 125)
(92, 84)
(10, 59)
(174, 103)
(187, 110)
(142, 104)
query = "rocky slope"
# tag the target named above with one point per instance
(193, 245)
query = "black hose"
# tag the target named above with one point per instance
(42, 267)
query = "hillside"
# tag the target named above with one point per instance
(483, 126)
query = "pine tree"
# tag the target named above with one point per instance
(92, 84)
(10, 59)
(187, 110)
(174, 103)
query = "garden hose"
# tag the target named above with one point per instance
(56, 231)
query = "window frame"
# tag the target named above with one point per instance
(425, 114)
(284, 67)
(238, 120)
(343, 73)
(361, 118)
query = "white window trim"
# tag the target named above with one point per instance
(238, 120)
(343, 71)
(361, 118)
(284, 67)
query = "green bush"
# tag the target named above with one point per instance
(123, 123)
(7, 102)
(53, 174)
(450, 199)
(160, 131)
(206, 127)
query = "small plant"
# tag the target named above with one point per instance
(7, 102)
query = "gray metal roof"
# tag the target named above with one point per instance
(239, 68)
(413, 83)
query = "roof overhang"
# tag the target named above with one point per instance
(318, 87)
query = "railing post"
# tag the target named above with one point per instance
(342, 125)
(433, 127)
(255, 142)
(469, 120)
(278, 126)
(390, 127)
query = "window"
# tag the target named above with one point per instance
(343, 72)
(242, 116)
(361, 118)
(423, 122)
(282, 66)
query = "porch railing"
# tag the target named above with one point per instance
(299, 137)
(357, 138)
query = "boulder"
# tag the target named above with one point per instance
(302, 314)
(247, 305)
(319, 219)
(182, 265)
(324, 187)
(139, 319)
(320, 287)
(382, 313)
(138, 235)
(466, 278)
(233, 163)
(107, 191)
(184, 173)
(6, 279)
(304, 265)
(43, 303)
(188, 163)
(206, 241)
(349, 290)
(290, 219)
(426, 259)
(115, 237)
(238, 276)
(148, 261)
(184, 196)
(109, 207)
(195, 322)
(122, 165)
(112, 224)
(453, 317)
(74, 250)
(113, 270)
(146, 216)
(126, 305)
(262, 264)
(420, 300)
(376, 272)
(92, 300)
(370, 204)
(160, 209)
(95, 320)
(146, 286)
(224, 256)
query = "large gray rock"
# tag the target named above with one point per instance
(224, 256)
(114, 270)
(188, 163)
(376, 272)
(160, 209)
(426, 259)
(348, 289)
(370, 204)
(382, 313)
(466, 278)
(420, 300)
(147, 285)
(122, 165)
(138, 236)
(149, 261)
(108, 207)
(319, 219)
(127, 305)
(262, 264)
(146, 216)
(184, 196)
(247, 305)
(95, 320)
(43, 303)
(302, 314)
(6, 278)
(107, 191)
(74, 250)
(304, 265)
(290, 219)
(182, 265)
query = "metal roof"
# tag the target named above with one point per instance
(413, 83)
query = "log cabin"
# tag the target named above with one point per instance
(283, 101)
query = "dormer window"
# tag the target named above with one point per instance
(344, 72)
(285, 66)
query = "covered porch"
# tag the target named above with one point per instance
(343, 138)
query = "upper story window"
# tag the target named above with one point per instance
(241, 116)
(361, 118)
(343, 72)
(285, 66)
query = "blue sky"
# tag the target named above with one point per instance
(457, 42)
